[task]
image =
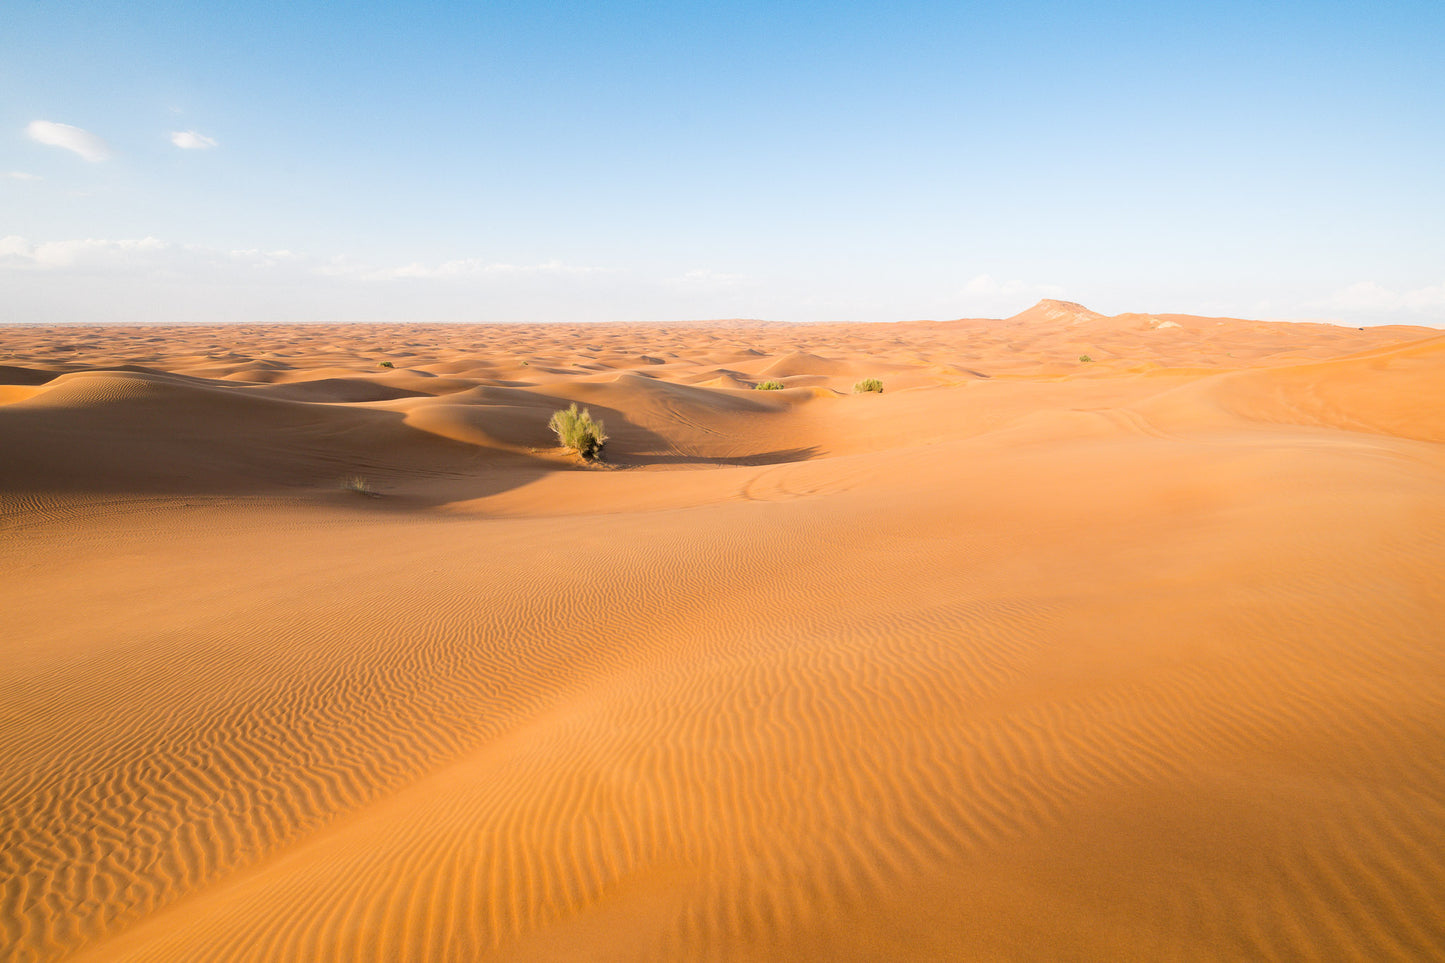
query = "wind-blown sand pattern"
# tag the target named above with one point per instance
(1027, 657)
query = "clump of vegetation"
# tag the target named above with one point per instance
(355, 483)
(869, 384)
(386, 364)
(576, 430)
(768, 386)
(1085, 359)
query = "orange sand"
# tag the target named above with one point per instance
(1026, 658)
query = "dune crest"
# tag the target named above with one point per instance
(1050, 311)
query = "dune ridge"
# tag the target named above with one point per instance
(1026, 657)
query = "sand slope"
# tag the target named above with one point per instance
(1025, 658)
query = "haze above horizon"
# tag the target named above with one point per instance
(808, 162)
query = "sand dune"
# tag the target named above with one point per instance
(1026, 658)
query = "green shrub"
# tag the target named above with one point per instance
(577, 431)
(355, 483)
(869, 384)
(769, 386)
(1085, 359)
(386, 364)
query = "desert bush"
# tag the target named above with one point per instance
(869, 384)
(386, 364)
(576, 430)
(1085, 359)
(768, 386)
(355, 483)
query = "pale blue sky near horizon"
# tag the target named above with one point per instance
(651, 161)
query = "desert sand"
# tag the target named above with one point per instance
(1027, 657)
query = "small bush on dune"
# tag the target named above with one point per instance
(386, 364)
(768, 386)
(355, 483)
(576, 430)
(869, 384)
(1085, 359)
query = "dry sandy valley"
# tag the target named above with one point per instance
(316, 647)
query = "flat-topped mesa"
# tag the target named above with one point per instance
(1051, 311)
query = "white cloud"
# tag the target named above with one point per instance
(82, 253)
(704, 277)
(1372, 301)
(19, 176)
(262, 258)
(1370, 296)
(82, 142)
(150, 279)
(190, 140)
(984, 296)
(460, 269)
(986, 286)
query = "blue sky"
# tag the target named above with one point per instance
(167, 161)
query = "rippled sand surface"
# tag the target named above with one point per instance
(1028, 657)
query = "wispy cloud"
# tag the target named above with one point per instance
(986, 296)
(706, 277)
(88, 253)
(985, 285)
(82, 142)
(84, 253)
(190, 140)
(459, 269)
(1370, 297)
(19, 176)
(152, 279)
(260, 258)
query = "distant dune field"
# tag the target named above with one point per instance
(1139, 657)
